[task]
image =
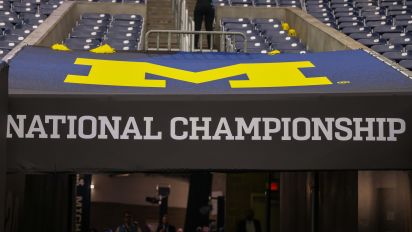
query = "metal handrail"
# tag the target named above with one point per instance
(169, 33)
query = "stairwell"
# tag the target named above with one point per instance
(160, 17)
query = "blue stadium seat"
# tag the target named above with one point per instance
(271, 21)
(350, 30)
(123, 45)
(7, 45)
(350, 19)
(264, 28)
(33, 19)
(235, 20)
(288, 46)
(398, 56)
(406, 63)
(81, 44)
(243, 26)
(388, 29)
(93, 22)
(241, 2)
(220, 2)
(376, 18)
(127, 17)
(22, 32)
(407, 40)
(364, 35)
(371, 42)
(289, 3)
(403, 17)
(350, 24)
(403, 23)
(96, 16)
(91, 28)
(286, 39)
(123, 36)
(388, 36)
(265, 3)
(3, 52)
(123, 23)
(387, 48)
(295, 51)
(87, 34)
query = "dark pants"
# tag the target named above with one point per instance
(208, 13)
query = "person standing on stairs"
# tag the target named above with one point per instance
(204, 10)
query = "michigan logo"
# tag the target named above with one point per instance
(133, 74)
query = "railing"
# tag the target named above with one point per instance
(182, 33)
(183, 21)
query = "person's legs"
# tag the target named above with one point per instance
(209, 18)
(198, 15)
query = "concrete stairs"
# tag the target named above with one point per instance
(160, 17)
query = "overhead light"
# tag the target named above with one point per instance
(92, 186)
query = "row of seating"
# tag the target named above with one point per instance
(19, 18)
(120, 31)
(120, 1)
(263, 35)
(258, 3)
(383, 25)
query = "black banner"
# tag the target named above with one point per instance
(3, 156)
(82, 203)
(214, 132)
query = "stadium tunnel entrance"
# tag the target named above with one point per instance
(294, 147)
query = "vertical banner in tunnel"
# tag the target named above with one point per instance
(82, 203)
(3, 122)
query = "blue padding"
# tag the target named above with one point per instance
(41, 70)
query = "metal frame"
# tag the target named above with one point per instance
(182, 33)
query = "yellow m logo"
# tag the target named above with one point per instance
(133, 74)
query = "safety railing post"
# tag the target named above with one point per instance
(190, 34)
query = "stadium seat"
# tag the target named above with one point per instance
(407, 40)
(123, 23)
(406, 63)
(124, 45)
(235, 20)
(93, 22)
(7, 45)
(356, 29)
(272, 21)
(123, 36)
(387, 48)
(388, 29)
(121, 31)
(87, 34)
(241, 2)
(364, 35)
(265, 3)
(91, 28)
(96, 16)
(127, 17)
(81, 44)
(371, 42)
(398, 56)
(388, 36)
